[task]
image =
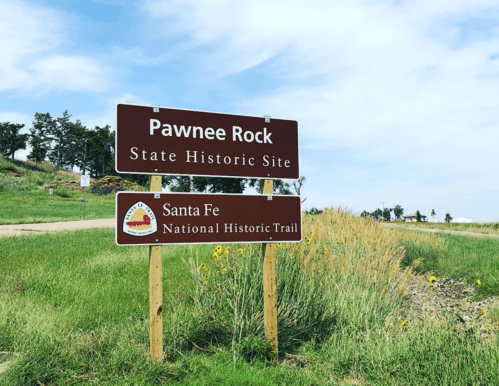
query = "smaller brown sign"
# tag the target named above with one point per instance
(144, 218)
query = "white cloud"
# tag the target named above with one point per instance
(32, 40)
(410, 84)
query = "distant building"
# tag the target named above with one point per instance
(462, 219)
(413, 217)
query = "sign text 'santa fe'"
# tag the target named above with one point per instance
(177, 218)
(184, 142)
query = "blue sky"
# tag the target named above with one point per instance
(396, 101)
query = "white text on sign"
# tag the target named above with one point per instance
(238, 134)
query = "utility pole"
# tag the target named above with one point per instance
(383, 202)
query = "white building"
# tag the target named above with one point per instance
(413, 217)
(461, 220)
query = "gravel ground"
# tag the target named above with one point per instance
(27, 229)
(449, 299)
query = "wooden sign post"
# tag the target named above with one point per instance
(156, 290)
(269, 286)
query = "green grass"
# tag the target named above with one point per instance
(74, 309)
(34, 206)
(465, 258)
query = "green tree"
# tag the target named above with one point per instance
(59, 137)
(280, 187)
(418, 216)
(433, 214)
(11, 140)
(75, 144)
(377, 214)
(101, 150)
(387, 214)
(365, 214)
(448, 218)
(398, 211)
(39, 138)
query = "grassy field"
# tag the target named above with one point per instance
(476, 227)
(25, 198)
(74, 310)
(34, 206)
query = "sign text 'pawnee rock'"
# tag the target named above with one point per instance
(184, 142)
(178, 218)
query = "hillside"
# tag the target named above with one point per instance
(32, 194)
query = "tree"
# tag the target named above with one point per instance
(280, 187)
(377, 214)
(365, 214)
(433, 214)
(448, 218)
(75, 143)
(398, 211)
(101, 150)
(387, 214)
(297, 186)
(39, 139)
(10, 138)
(59, 135)
(418, 216)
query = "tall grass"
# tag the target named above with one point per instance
(339, 277)
(73, 309)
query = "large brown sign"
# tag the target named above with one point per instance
(178, 218)
(158, 140)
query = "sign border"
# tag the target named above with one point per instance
(214, 242)
(200, 175)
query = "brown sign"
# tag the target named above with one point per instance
(158, 140)
(180, 218)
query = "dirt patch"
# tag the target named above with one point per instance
(448, 299)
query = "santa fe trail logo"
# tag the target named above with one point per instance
(140, 220)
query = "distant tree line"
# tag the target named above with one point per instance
(385, 214)
(398, 211)
(69, 144)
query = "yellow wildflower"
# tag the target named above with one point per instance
(307, 240)
(277, 246)
(223, 269)
(227, 250)
(203, 267)
(218, 249)
(216, 256)
(484, 312)
(403, 323)
(478, 282)
(205, 277)
(240, 250)
(432, 280)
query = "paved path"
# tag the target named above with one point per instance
(462, 233)
(27, 229)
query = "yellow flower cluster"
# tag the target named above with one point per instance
(203, 267)
(432, 280)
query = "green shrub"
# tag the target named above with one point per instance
(9, 183)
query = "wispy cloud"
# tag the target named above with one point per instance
(33, 41)
(409, 85)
